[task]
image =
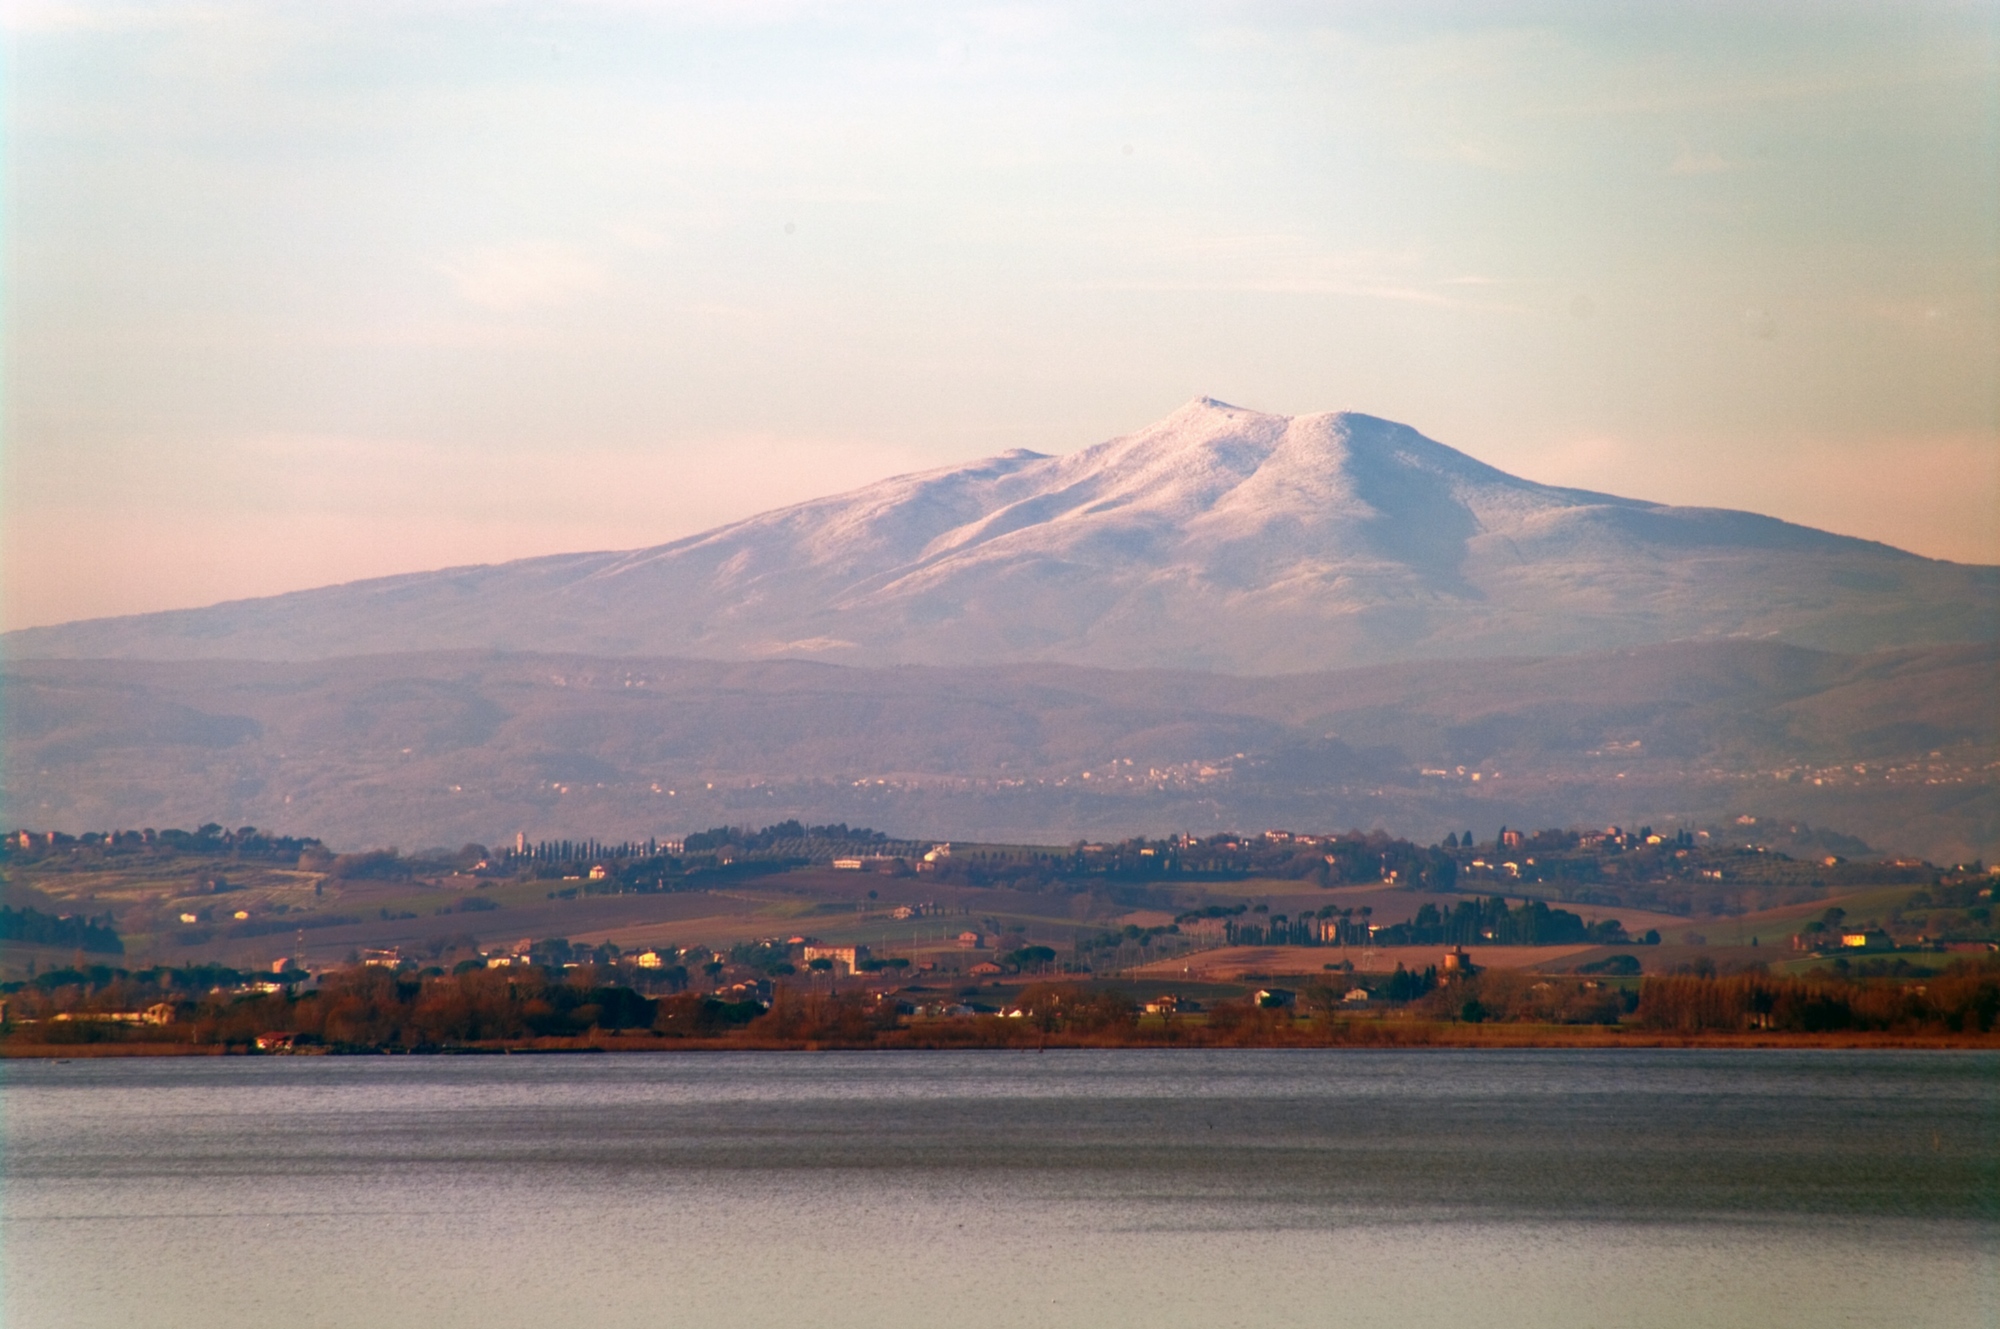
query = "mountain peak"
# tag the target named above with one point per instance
(1219, 537)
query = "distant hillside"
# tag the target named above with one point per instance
(1219, 538)
(1900, 747)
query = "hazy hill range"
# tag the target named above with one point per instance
(1219, 539)
(1899, 747)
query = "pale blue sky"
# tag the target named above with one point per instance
(301, 293)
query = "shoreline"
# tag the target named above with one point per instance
(1444, 1038)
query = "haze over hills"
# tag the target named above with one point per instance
(1900, 748)
(1219, 538)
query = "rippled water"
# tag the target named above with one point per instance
(1074, 1188)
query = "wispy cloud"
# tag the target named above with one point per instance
(511, 278)
(1281, 286)
(98, 16)
(1688, 161)
(1291, 263)
(1770, 88)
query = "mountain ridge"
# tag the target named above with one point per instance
(1896, 747)
(1216, 538)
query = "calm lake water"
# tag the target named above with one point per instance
(1060, 1188)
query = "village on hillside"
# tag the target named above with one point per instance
(118, 937)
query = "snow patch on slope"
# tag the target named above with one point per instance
(1218, 537)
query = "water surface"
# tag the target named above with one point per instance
(1376, 1189)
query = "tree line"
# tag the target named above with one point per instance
(371, 1009)
(1491, 922)
(71, 932)
(94, 847)
(1964, 999)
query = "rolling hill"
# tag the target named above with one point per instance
(1900, 747)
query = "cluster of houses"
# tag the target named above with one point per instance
(158, 1013)
(1858, 939)
(840, 959)
(893, 862)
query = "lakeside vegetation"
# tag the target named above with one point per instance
(374, 1010)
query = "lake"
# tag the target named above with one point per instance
(1204, 1188)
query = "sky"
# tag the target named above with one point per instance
(296, 294)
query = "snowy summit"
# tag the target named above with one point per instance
(1217, 538)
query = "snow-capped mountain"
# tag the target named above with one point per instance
(1218, 538)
